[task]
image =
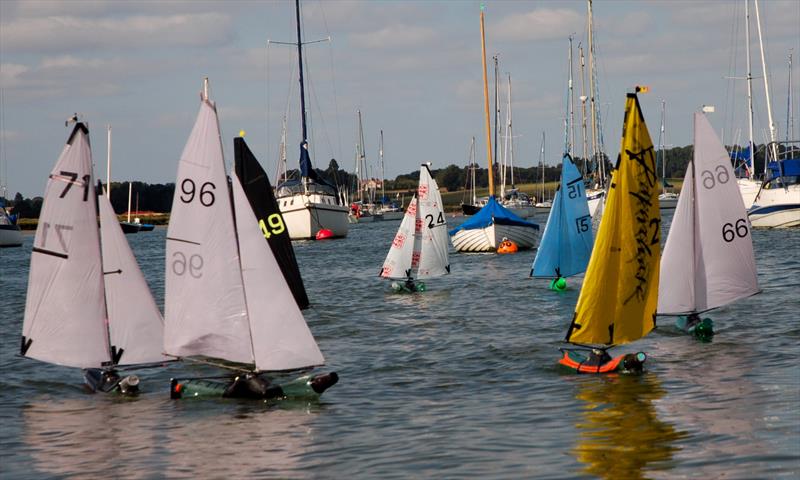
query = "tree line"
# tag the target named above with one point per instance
(158, 197)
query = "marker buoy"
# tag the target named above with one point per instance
(507, 246)
(323, 234)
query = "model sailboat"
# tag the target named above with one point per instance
(258, 190)
(617, 303)
(225, 295)
(83, 279)
(419, 249)
(708, 258)
(567, 240)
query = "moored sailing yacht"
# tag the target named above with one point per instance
(309, 204)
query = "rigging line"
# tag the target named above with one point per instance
(338, 152)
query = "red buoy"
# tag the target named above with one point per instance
(324, 233)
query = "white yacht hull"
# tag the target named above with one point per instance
(10, 236)
(749, 189)
(305, 215)
(667, 201)
(392, 215)
(594, 197)
(776, 208)
(488, 238)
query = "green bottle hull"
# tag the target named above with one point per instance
(253, 386)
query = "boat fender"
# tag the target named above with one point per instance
(324, 234)
(507, 246)
(252, 386)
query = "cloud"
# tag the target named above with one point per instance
(57, 34)
(540, 24)
(394, 36)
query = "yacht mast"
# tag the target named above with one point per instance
(593, 106)
(773, 131)
(583, 107)
(571, 104)
(752, 169)
(486, 106)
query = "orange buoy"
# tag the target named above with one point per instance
(507, 246)
(324, 234)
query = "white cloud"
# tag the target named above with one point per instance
(539, 24)
(394, 36)
(69, 34)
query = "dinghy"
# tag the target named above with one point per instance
(708, 257)
(83, 281)
(617, 303)
(419, 249)
(493, 223)
(226, 301)
(567, 240)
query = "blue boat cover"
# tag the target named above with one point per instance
(784, 168)
(743, 155)
(567, 241)
(491, 213)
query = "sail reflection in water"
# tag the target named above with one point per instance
(619, 432)
(92, 438)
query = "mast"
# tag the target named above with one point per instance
(773, 131)
(486, 105)
(752, 169)
(571, 103)
(509, 132)
(592, 95)
(583, 107)
(361, 159)
(473, 167)
(130, 190)
(541, 158)
(662, 139)
(108, 164)
(496, 111)
(506, 138)
(383, 172)
(789, 106)
(300, 66)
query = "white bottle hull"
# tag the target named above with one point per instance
(305, 215)
(488, 238)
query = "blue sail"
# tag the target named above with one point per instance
(567, 241)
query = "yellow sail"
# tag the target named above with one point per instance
(618, 300)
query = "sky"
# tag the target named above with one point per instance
(413, 68)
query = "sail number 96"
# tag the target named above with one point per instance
(273, 226)
(731, 231)
(206, 194)
(193, 265)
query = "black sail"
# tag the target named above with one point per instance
(259, 193)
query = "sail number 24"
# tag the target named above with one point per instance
(273, 226)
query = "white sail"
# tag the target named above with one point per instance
(65, 311)
(281, 338)
(433, 239)
(398, 263)
(708, 258)
(136, 327)
(204, 307)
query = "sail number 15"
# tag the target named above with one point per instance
(273, 226)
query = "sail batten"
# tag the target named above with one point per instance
(617, 303)
(567, 241)
(708, 259)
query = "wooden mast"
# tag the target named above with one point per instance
(486, 107)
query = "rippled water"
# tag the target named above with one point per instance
(460, 381)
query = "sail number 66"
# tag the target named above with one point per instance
(194, 265)
(731, 231)
(273, 226)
